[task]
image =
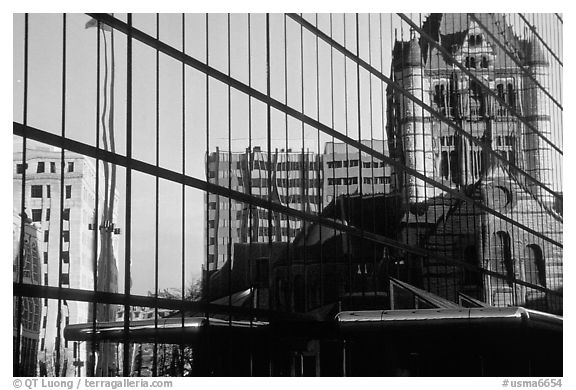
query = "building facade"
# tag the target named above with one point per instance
(345, 168)
(296, 182)
(31, 307)
(74, 253)
(437, 220)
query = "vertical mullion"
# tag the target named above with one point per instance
(302, 104)
(230, 154)
(207, 99)
(347, 201)
(290, 259)
(16, 356)
(127, 268)
(249, 184)
(269, 154)
(206, 293)
(319, 303)
(268, 132)
(383, 121)
(360, 182)
(183, 97)
(156, 195)
(95, 225)
(62, 166)
(359, 110)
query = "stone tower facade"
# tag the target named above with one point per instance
(438, 221)
(537, 152)
(414, 137)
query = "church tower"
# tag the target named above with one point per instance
(538, 156)
(414, 129)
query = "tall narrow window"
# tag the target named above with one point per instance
(535, 268)
(444, 173)
(52, 167)
(48, 191)
(68, 192)
(454, 168)
(41, 167)
(506, 255)
(500, 91)
(511, 96)
(47, 214)
(71, 166)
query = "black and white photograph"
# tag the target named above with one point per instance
(287, 195)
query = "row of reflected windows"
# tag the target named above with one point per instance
(354, 180)
(37, 215)
(446, 98)
(500, 140)
(37, 191)
(263, 165)
(354, 163)
(42, 167)
(261, 232)
(256, 213)
(450, 163)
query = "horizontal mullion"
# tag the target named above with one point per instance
(81, 295)
(420, 103)
(91, 151)
(533, 29)
(511, 55)
(177, 54)
(512, 110)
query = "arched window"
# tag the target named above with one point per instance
(478, 39)
(472, 40)
(484, 63)
(473, 62)
(505, 255)
(535, 267)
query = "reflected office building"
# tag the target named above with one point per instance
(63, 217)
(295, 182)
(27, 312)
(363, 194)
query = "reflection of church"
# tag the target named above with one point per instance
(451, 227)
(492, 251)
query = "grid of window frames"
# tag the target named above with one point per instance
(229, 172)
